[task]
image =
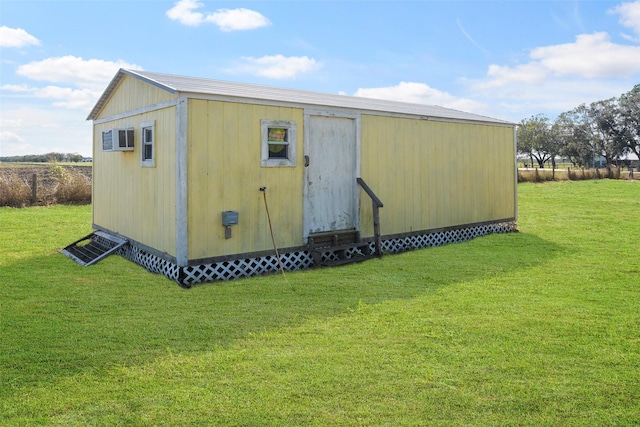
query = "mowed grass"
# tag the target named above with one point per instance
(540, 327)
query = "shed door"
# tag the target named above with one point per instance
(331, 197)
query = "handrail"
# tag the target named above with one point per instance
(376, 203)
(370, 192)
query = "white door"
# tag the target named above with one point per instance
(331, 197)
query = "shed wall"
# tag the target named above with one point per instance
(132, 94)
(432, 174)
(135, 201)
(224, 174)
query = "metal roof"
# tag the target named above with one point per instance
(195, 85)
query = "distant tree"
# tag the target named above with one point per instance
(538, 139)
(607, 129)
(44, 158)
(574, 137)
(56, 157)
(629, 108)
(555, 143)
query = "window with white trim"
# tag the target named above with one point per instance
(278, 143)
(147, 145)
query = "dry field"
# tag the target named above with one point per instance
(55, 184)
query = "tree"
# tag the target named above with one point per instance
(629, 107)
(590, 136)
(607, 129)
(574, 143)
(538, 140)
(75, 157)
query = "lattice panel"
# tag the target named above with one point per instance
(248, 267)
(227, 270)
(151, 262)
(444, 237)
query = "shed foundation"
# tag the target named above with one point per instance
(300, 259)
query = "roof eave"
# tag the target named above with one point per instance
(113, 85)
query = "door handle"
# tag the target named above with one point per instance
(306, 161)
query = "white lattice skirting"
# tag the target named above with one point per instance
(298, 260)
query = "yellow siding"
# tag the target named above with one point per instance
(134, 201)
(132, 94)
(224, 173)
(433, 174)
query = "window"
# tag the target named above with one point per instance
(278, 143)
(107, 140)
(117, 140)
(125, 139)
(148, 145)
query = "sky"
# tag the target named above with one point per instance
(503, 59)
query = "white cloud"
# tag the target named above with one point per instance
(591, 56)
(80, 82)
(629, 15)
(182, 12)
(226, 19)
(279, 66)
(499, 76)
(237, 19)
(516, 100)
(10, 137)
(560, 77)
(420, 93)
(70, 98)
(16, 37)
(91, 73)
(64, 97)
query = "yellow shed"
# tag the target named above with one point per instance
(209, 180)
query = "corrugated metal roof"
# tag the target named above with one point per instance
(196, 85)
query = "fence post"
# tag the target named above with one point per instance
(34, 189)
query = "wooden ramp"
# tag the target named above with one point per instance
(93, 247)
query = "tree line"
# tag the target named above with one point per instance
(608, 129)
(44, 158)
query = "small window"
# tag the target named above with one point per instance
(148, 144)
(107, 140)
(278, 143)
(117, 140)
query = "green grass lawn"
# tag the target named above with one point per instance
(540, 327)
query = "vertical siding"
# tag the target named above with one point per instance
(433, 174)
(134, 201)
(132, 94)
(224, 173)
